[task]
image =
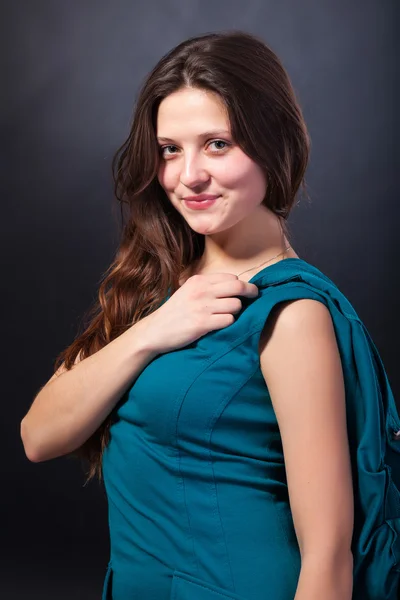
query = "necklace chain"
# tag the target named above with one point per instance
(267, 261)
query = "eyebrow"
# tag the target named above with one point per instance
(202, 135)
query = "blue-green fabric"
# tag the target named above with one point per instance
(195, 475)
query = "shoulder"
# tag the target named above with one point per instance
(299, 321)
(299, 354)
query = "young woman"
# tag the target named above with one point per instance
(225, 388)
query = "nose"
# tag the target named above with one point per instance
(193, 173)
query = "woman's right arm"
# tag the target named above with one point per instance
(73, 404)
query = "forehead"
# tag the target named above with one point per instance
(191, 111)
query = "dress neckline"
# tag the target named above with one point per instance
(275, 267)
(271, 268)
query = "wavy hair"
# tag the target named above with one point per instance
(156, 243)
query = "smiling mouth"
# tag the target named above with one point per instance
(200, 199)
(200, 204)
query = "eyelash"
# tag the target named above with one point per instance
(162, 148)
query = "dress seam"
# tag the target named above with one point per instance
(208, 435)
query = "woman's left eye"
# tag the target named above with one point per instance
(219, 142)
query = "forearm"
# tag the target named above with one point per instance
(325, 577)
(70, 408)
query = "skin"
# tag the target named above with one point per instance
(301, 365)
(299, 356)
(240, 232)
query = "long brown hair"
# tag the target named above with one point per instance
(157, 245)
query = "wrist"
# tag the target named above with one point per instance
(142, 343)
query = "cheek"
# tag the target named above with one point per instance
(242, 175)
(161, 175)
(168, 177)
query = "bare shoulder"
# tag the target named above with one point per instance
(299, 355)
(300, 317)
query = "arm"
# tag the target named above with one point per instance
(74, 403)
(302, 368)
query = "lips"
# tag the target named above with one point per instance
(200, 204)
(201, 197)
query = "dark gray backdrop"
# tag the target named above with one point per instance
(70, 76)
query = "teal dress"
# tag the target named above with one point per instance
(194, 472)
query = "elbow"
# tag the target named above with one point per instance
(30, 450)
(38, 448)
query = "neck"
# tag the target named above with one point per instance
(250, 242)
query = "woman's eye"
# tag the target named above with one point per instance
(220, 142)
(163, 148)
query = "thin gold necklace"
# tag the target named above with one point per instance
(267, 261)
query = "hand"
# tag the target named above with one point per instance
(203, 303)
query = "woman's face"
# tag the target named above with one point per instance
(196, 162)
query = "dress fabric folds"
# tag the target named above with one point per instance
(194, 473)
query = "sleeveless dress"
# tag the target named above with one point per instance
(194, 472)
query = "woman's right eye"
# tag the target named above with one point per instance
(162, 148)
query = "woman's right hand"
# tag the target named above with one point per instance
(203, 303)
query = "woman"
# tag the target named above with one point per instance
(225, 388)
